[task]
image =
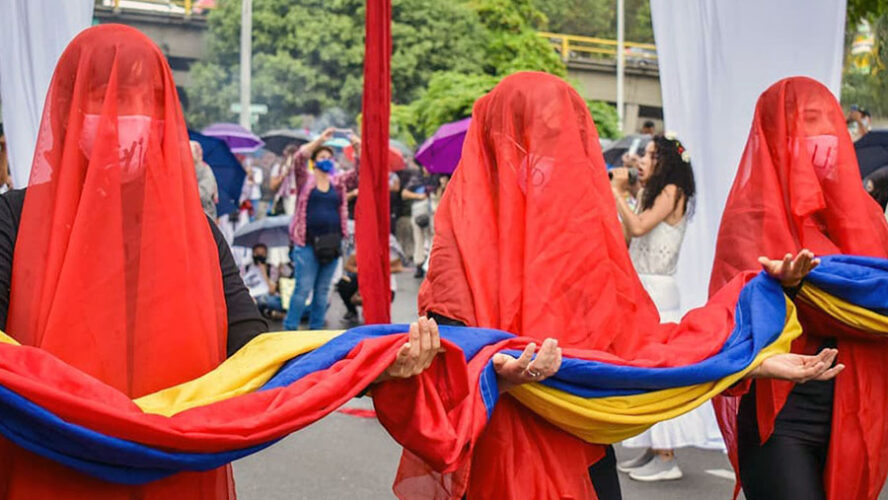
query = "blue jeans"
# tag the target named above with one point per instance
(311, 276)
(268, 301)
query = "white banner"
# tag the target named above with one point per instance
(34, 35)
(716, 58)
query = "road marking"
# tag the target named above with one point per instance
(722, 473)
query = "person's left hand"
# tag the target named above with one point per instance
(418, 353)
(525, 369)
(799, 368)
(790, 272)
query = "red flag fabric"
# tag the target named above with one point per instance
(372, 213)
(112, 249)
(798, 186)
(527, 240)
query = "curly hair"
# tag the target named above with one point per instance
(669, 168)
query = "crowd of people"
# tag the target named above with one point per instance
(316, 185)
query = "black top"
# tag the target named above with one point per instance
(807, 413)
(322, 213)
(244, 320)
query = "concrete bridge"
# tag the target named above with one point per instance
(180, 31)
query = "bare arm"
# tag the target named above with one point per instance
(636, 225)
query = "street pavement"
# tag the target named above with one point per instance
(347, 457)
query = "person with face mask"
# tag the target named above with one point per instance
(527, 240)
(798, 187)
(262, 283)
(317, 229)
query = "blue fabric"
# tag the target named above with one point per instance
(860, 280)
(760, 317)
(311, 276)
(759, 320)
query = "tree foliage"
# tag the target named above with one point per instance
(867, 90)
(597, 18)
(308, 55)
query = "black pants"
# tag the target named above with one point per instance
(347, 289)
(784, 468)
(604, 477)
(790, 464)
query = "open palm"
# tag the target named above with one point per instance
(799, 368)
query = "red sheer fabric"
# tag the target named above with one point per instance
(798, 186)
(115, 268)
(527, 240)
(372, 224)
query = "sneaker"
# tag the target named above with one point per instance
(635, 463)
(420, 273)
(657, 470)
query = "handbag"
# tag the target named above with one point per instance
(327, 247)
(422, 220)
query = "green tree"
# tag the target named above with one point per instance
(867, 90)
(308, 56)
(597, 18)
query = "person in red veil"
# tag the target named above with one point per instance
(108, 262)
(798, 187)
(527, 240)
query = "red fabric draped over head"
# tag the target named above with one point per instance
(527, 240)
(115, 269)
(799, 186)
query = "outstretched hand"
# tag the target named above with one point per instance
(790, 272)
(418, 353)
(799, 368)
(525, 368)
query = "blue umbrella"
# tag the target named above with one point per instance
(226, 168)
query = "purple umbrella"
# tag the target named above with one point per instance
(239, 139)
(440, 154)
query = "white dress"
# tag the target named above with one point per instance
(655, 256)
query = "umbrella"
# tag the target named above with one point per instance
(271, 231)
(396, 159)
(406, 151)
(277, 140)
(239, 139)
(633, 143)
(440, 154)
(226, 168)
(872, 151)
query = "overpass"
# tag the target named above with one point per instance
(592, 65)
(175, 26)
(179, 28)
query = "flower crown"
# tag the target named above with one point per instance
(685, 155)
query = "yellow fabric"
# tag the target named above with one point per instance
(613, 419)
(6, 339)
(249, 368)
(846, 312)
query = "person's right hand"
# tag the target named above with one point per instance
(525, 368)
(326, 135)
(799, 368)
(416, 355)
(620, 179)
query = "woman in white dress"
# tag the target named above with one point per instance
(655, 230)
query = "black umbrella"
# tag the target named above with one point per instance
(633, 143)
(872, 151)
(271, 231)
(277, 140)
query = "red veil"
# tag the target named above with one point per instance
(115, 269)
(788, 196)
(527, 240)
